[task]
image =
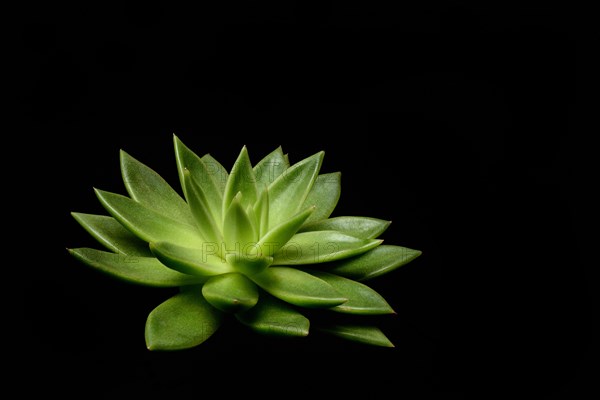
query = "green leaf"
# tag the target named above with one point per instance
(194, 261)
(231, 293)
(216, 171)
(205, 221)
(241, 179)
(202, 174)
(147, 224)
(376, 262)
(277, 237)
(239, 231)
(321, 246)
(112, 234)
(147, 271)
(184, 321)
(360, 227)
(249, 263)
(298, 288)
(274, 317)
(357, 333)
(270, 168)
(288, 192)
(149, 189)
(261, 211)
(362, 300)
(324, 194)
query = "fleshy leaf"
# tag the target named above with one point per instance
(241, 179)
(184, 321)
(324, 194)
(198, 203)
(261, 211)
(274, 317)
(146, 271)
(277, 237)
(357, 333)
(202, 261)
(113, 235)
(231, 293)
(270, 168)
(288, 192)
(216, 171)
(202, 174)
(360, 227)
(321, 246)
(362, 300)
(298, 288)
(148, 188)
(248, 263)
(239, 231)
(376, 262)
(147, 224)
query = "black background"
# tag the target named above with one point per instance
(460, 123)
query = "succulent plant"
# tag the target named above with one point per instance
(257, 244)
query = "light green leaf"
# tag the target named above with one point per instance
(241, 179)
(216, 171)
(362, 300)
(249, 263)
(298, 288)
(202, 261)
(321, 246)
(277, 237)
(376, 262)
(288, 192)
(270, 168)
(205, 221)
(274, 317)
(261, 211)
(357, 333)
(324, 194)
(202, 174)
(146, 271)
(239, 231)
(149, 189)
(112, 234)
(184, 321)
(147, 224)
(231, 293)
(360, 227)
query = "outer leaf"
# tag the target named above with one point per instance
(147, 271)
(270, 168)
(360, 227)
(248, 264)
(362, 334)
(205, 221)
(325, 194)
(239, 231)
(205, 176)
(182, 322)
(376, 262)
(277, 237)
(148, 188)
(241, 179)
(362, 300)
(274, 317)
(298, 288)
(321, 246)
(231, 293)
(216, 171)
(194, 261)
(147, 224)
(288, 192)
(112, 235)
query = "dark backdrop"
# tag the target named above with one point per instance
(458, 122)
